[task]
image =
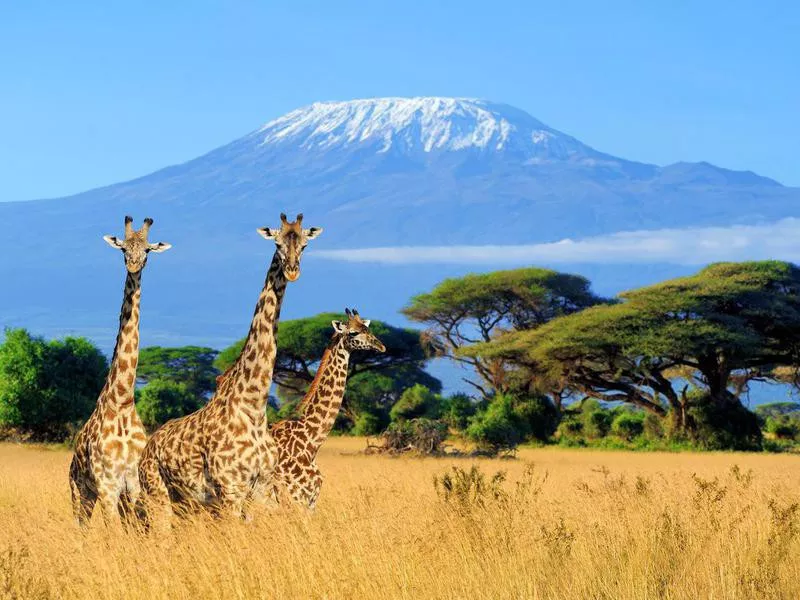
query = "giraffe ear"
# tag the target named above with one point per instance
(267, 233)
(159, 247)
(338, 326)
(366, 322)
(113, 241)
(312, 232)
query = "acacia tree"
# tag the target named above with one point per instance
(727, 325)
(375, 380)
(477, 308)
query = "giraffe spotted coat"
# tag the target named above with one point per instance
(298, 440)
(222, 455)
(108, 446)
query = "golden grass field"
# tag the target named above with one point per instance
(586, 524)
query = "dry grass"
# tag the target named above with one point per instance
(583, 524)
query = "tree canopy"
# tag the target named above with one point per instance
(47, 385)
(191, 366)
(475, 309)
(718, 329)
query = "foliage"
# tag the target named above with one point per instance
(415, 402)
(47, 386)
(507, 421)
(776, 409)
(192, 366)
(475, 308)
(164, 399)
(716, 330)
(367, 424)
(457, 409)
(783, 427)
(628, 425)
(724, 427)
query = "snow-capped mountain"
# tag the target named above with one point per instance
(378, 172)
(423, 125)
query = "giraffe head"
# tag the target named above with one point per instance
(291, 239)
(356, 333)
(135, 246)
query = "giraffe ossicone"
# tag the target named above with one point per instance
(108, 446)
(298, 440)
(223, 455)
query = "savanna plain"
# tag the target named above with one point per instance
(554, 523)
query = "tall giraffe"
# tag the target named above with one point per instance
(220, 455)
(299, 440)
(108, 446)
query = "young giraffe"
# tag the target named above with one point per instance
(223, 454)
(298, 440)
(108, 446)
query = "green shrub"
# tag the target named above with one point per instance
(596, 423)
(508, 421)
(367, 424)
(416, 402)
(628, 425)
(48, 388)
(497, 427)
(729, 426)
(783, 427)
(653, 427)
(457, 409)
(162, 400)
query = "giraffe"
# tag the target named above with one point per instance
(222, 455)
(299, 440)
(108, 446)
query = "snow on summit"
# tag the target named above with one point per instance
(422, 124)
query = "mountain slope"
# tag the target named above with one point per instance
(378, 172)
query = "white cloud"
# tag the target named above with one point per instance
(692, 246)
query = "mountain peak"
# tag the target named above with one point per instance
(422, 124)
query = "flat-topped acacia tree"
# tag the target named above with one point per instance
(716, 330)
(477, 308)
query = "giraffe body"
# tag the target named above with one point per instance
(222, 455)
(108, 446)
(298, 440)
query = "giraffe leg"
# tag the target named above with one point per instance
(153, 507)
(108, 495)
(314, 487)
(128, 499)
(83, 501)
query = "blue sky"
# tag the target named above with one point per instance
(95, 93)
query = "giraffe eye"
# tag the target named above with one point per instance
(352, 333)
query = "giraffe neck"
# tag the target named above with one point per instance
(320, 406)
(121, 379)
(248, 381)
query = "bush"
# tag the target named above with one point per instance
(416, 402)
(367, 424)
(425, 436)
(497, 427)
(628, 425)
(596, 422)
(456, 411)
(729, 426)
(783, 427)
(162, 400)
(653, 427)
(48, 388)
